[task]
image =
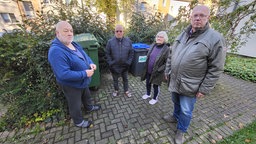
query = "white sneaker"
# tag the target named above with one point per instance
(153, 101)
(145, 96)
(115, 93)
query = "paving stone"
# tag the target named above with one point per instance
(124, 120)
(107, 134)
(84, 141)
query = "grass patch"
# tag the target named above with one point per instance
(246, 135)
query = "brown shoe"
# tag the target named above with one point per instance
(128, 94)
(170, 119)
(179, 137)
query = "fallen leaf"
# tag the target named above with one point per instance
(240, 125)
(219, 136)
(247, 140)
(226, 116)
(213, 141)
(232, 127)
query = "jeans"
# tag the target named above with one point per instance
(124, 76)
(148, 86)
(76, 97)
(183, 109)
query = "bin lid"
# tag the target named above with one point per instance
(87, 40)
(140, 46)
(84, 37)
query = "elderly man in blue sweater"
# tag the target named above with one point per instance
(73, 70)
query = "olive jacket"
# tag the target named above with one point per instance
(196, 61)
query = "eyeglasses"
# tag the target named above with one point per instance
(199, 15)
(118, 31)
(159, 36)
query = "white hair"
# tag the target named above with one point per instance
(163, 34)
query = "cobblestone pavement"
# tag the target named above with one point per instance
(123, 120)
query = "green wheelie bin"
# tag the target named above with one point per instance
(90, 45)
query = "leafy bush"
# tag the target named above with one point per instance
(30, 88)
(14, 52)
(144, 27)
(241, 67)
(28, 85)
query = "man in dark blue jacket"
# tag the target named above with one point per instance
(119, 55)
(73, 70)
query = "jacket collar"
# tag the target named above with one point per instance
(188, 30)
(60, 44)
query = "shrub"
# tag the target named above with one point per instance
(144, 27)
(241, 67)
(30, 88)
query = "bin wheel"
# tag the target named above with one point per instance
(94, 88)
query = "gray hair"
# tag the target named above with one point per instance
(164, 34)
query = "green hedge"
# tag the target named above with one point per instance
(241, 67)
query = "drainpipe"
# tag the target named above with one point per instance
(235, 6)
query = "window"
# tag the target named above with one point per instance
(7, 1)
(143, 6)
(46, 1)
(8, 17)
(254, 26)
(28, 7)
(164, 3)
(13, 18)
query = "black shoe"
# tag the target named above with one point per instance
(85, 124)
(93, 108)
(170, 119)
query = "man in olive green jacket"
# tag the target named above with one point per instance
(194, 65)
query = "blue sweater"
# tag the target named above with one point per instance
(69, 68)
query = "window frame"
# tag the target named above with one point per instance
(11, 17)
(28, 8)
(143, 6)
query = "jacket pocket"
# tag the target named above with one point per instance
(189, 85)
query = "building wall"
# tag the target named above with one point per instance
(153, 6)
(16, 8)
(163, 6)
(35, 4)
(9, 7)
(249, 49)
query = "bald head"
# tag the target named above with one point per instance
(199, 17)
(62, 24)
(203, 8)
(64, 32)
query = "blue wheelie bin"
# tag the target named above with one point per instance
(139, 59)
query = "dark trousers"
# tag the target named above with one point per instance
(76, 97)
(148, 86)
(124, 76)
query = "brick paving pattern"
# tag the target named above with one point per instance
(122, 120)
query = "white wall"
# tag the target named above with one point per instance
(249, 49)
